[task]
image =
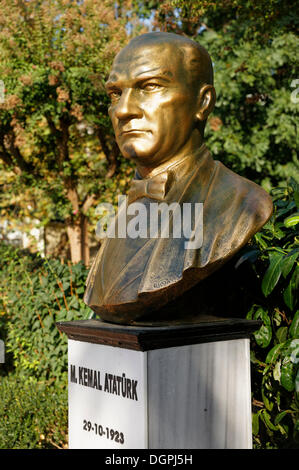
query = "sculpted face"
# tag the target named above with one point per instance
(153, 107)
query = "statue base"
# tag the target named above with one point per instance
(166, 387)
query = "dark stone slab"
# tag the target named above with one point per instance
(146, 338)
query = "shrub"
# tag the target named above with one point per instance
(35, 294)
(33, 414)
(275, 348)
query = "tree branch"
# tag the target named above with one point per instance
(61, 135)
(72, 194)
(88, 202)
(52, 126)
(14, 150)
(6, 158)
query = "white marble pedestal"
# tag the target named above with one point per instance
(145, 388)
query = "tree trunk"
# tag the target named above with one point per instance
(77, 227)
(78, 238)
(84, 240)
(74, 234)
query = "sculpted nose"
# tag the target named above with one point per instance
(127, 106)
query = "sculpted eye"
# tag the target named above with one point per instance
(151, 86)
(114, 94)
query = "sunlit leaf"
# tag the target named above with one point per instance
(292, 220)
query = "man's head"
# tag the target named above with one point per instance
(161, 90)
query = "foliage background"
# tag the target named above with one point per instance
(34, 294)
(57, 153)
(273, 256)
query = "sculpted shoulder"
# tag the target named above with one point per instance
(257, 201)
(252, 197)
(234, 210)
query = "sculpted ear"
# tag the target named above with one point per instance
(206, 102)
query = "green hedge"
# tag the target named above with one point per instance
(273, 256)
(33, 414)
(35, 293)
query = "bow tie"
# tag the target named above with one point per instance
(154, 188)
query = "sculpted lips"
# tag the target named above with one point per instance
(133, 131)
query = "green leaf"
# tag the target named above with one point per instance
(268, 404)
(80, 290)
(263, 336)
(255, 424)
(288, 262)
(288, 374)
(294, 328)
(267, 421)
(65, 285)
(293, 351)
(277, 317)
(274, 353)
(290, 293)
(48, 321)
(262, 314)
(292, 220)
(259, 238)
(280, 416)
(272, 274)
(249, 315)
(287, 377)
(288, 296)
(282, 334)
(277, 371)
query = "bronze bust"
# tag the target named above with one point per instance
(161, 91)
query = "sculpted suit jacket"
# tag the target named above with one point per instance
(132, 278)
